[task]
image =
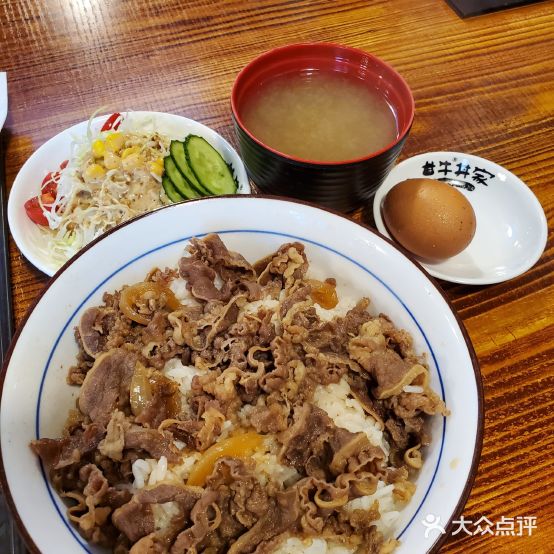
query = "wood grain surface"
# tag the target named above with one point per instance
(484, 86)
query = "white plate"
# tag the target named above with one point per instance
(35, 396)
(49, 156)
(511, 226)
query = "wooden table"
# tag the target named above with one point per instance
(483, 85)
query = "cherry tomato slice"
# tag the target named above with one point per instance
(112, 123)
(49, 190)
(34, 211)
(51, 177)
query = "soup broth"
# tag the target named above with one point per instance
(321, 116)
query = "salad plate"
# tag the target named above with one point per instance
(56, 163)
(511, 227)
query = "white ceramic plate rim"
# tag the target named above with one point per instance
(392, 179)
(297, 209)
(50, 154)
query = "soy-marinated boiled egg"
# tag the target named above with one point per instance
(429, 218)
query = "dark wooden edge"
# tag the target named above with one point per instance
(481, 412)
(6, 315)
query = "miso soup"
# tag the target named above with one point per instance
(320, 116)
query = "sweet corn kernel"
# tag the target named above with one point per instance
(156, 168)
(98, 148)
(94, 171)
(111, 160)
(131, 161)
(115, 142)
(129, 151)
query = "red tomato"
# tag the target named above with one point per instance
(51, 178)
(49, 190)
(112, 123)
(34, 211)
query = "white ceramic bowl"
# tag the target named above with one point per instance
(511, 227)
(36, 398)
(49, 156)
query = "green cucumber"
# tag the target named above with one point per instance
(179, 182)
(211, 170)
(170, 190)
(177, 150)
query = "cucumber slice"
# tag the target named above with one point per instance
(170, 190)
(179, 182)
(211, 170)
(177, 150)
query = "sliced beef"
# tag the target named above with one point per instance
(231, 266)
(224, 320)
(200, 280)
(148, 545)
(60, 453)
(249, 501)
(154, 442)
(316, 446)
(205, 517)
(299, 295)
(387, 367)
(281, 515)
(136, 518)
(106, 386)
(360, 391)
(198, 434)
(114, 442)
(311, 427)
(93, 329)
(155, 330)
(161, 400)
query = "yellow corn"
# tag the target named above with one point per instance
(94, 171)
(157, 167)
(129, 151)
(98, 148)
(131, 161)
(111, 160)
(115, 142)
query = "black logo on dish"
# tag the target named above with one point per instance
(458, 174)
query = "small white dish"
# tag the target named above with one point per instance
(36, 397)
(49, 156)
(511, 228)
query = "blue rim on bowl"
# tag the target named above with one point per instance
(296, 211)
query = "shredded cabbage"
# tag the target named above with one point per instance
(85, 207)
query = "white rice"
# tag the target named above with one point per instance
(179, 288)
(294, 545)
(182, 374)
(345, 304)
(347, 412)
(164, 513)
(150, 472)
(269, 469)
